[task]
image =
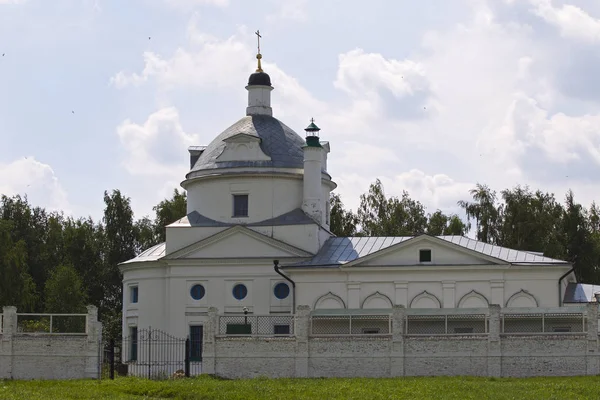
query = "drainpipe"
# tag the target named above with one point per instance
(560, 303)
(276, 268)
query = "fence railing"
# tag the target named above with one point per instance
(52, 324)
(446, 324)
(350, 325)
(256, 325)
(536, 322)
(1, 323)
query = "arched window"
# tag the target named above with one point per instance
(425, 300)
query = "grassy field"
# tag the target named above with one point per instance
(363, 389)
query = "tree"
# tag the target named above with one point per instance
(484, 211)
(380, 216)
(442, 224)
(530, 221)
(64, 291)
(119, 247)
(17, 287)
(342, 222)
(169, 211)
(145, 234)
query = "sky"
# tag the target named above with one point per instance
(431, 97)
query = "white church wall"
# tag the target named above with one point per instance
(178, 237)
(402, 285)
(149, 310)
(305, 237)
(268, 197)
(440, 255)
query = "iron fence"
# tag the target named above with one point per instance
(350, 325)
(446, 324)
(541, 322)
(256, 325)
(153, 354)
(63, 324)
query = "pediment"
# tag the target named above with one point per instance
(238, 242)
(406, 253)
(243, 147)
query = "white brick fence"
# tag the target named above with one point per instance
(408, 342)
(49, 346)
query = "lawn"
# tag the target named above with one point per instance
(363, 389)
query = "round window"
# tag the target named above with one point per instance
(281, 290)
(197, 292)
(240, 291)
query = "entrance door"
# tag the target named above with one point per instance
(196, 343)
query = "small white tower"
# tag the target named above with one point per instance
(313, 159)
(259, 89)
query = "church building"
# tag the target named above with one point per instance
(256, 241)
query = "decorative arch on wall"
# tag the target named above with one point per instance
(473, 299)
(522, 299)
(377, 300)
(425, 300)
(329, 301)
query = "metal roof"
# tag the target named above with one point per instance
(341, 250)
(152, 254)
(294, 217)
(580, 293)
(278, 141)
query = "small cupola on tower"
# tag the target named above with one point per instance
(259, 89)
(312, 198)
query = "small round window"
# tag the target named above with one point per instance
(281, 291)
(240, 291)
(197, 292)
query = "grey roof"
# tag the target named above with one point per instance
(278, 141)
(152, 254)
(294, 217)
(580, 293)
(341, 250)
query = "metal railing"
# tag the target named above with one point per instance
(256, 325)
(52, 324)
(536, 321)
(446, 324)
(351, 325)
(1, 323)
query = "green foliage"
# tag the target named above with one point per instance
(64, 291)
(342, 222)
(443, 388)
(169, 211)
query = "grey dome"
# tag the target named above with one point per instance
(278, 141)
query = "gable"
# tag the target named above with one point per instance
(238, 242)
(442, 253)
(243, 147)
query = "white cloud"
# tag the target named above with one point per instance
(289, 10)
(37, 180)
(155, 148)
(12, 2)
(193, 3)
(572, 21)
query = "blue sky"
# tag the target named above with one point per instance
(430, 96)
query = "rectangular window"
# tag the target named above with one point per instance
(239, 329)
(561, 329)
(463, 330)
(196, 343)
(370, 331)
(281, 329)
(133, 350)
(424, 255)
(240, 205)
(134, 294)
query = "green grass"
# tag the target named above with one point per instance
(363, 389)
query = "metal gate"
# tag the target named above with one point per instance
(153, 354)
